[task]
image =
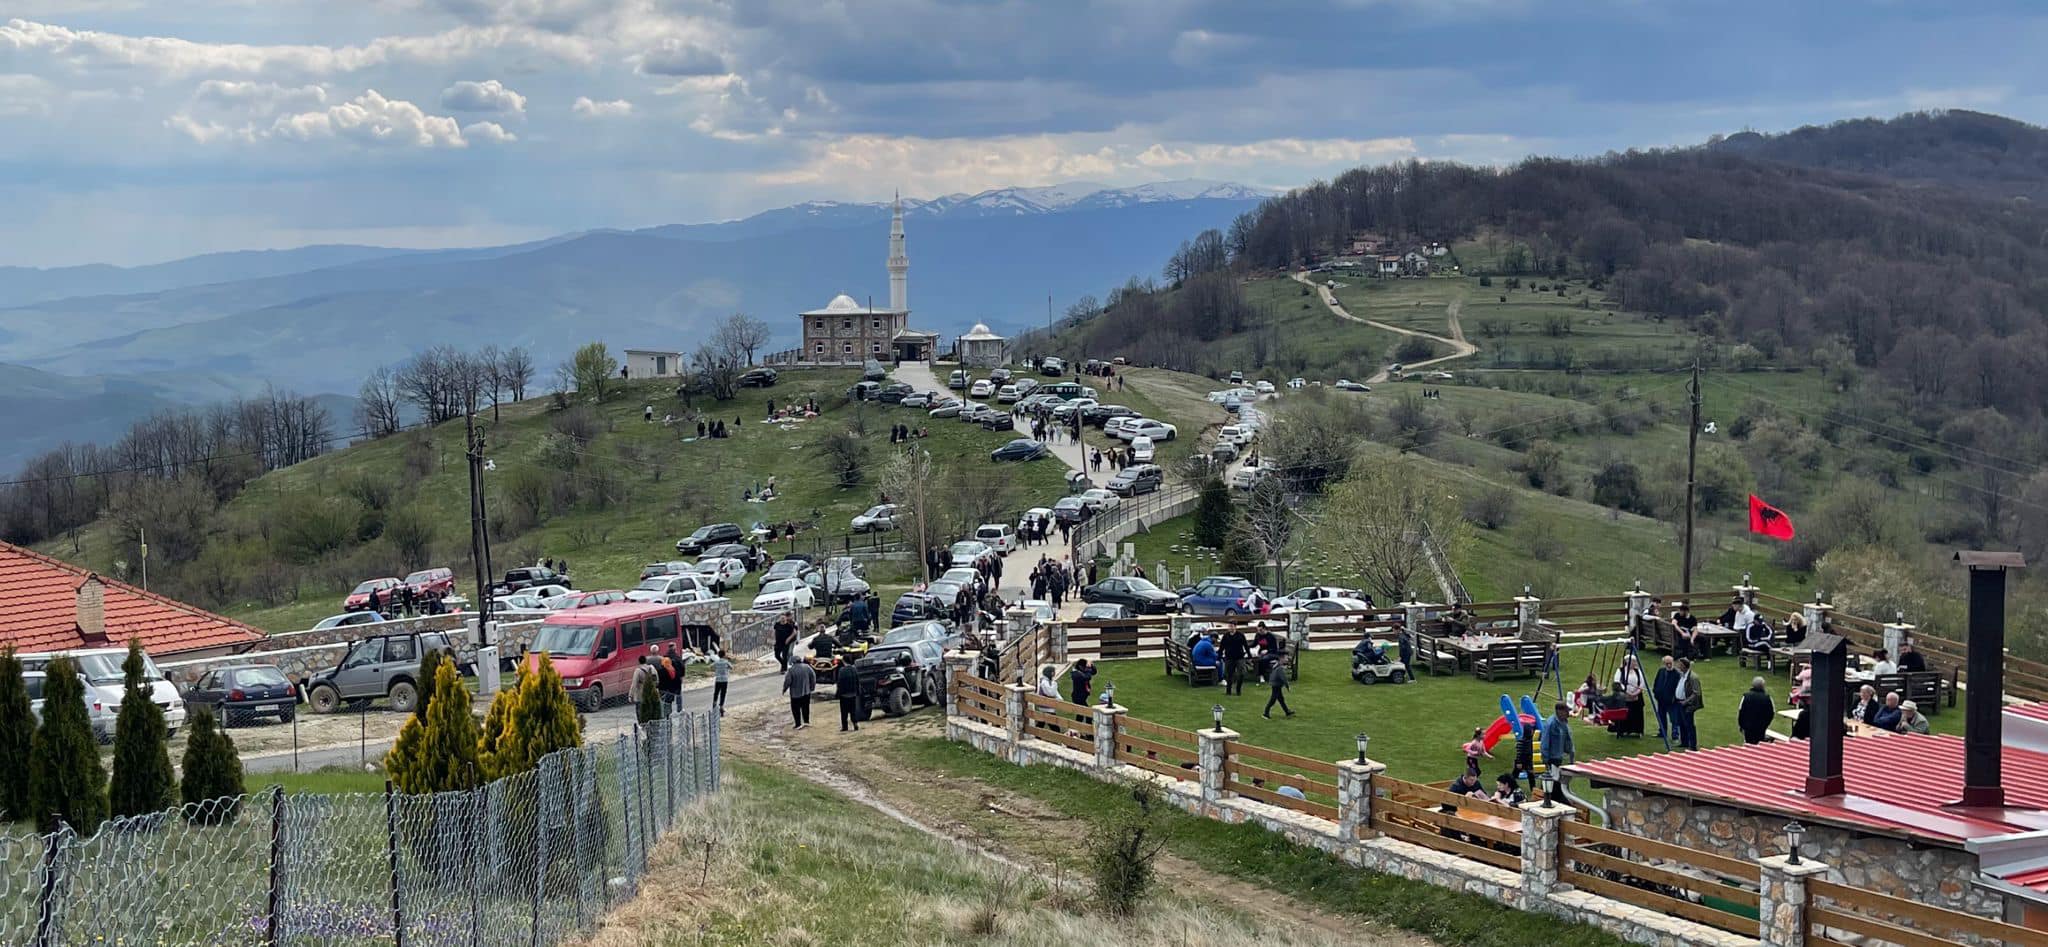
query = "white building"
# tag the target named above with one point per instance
(980, 348)
(653, 363)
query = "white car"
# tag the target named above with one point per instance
(1007, 394)
(1142, 450)
(1297, 382)
(1245, 478)
(670, 589)
(1346, 384)
(877, 518)
(1001, 537)
(783, 594)
(1264, 387)
(721, 573)
(348, 619)
(547, 591)
(1146, 427)
(1440, 376)
(1114, 426)
(981, 388)
(945, 408)
(1312, 593)
(1320, 606)
(519, 602)
(1068, 409)
(1037, 514)
(106, 683)
(1040, 609)
(1100, 500)
(1237, 434)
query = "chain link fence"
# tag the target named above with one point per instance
(530, 859)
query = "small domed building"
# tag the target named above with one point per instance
(981, 348)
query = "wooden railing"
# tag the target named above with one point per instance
(1474, 828)
(1258, 773)
(1113, 640)
(979, 699)
(2023, 678)
(1162, 750)
(1699, 886)
(1841, 916)
(1067, 724)
(1022, 654)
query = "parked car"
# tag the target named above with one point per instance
(1297, 382)
(1247, 477)
(671, 567)
(1237, 378)
(671, 589)
(1001, 537)
(1137, 480)
(933, 630)
(1146, 427)
(1072, 511)
(788, 567)
(1317, 610)
(749, 556)
(1142, 449)
(1033, 517)
(545, 592)
(1133, 592)
(897, 678)
(840, 579)
(1236, 434)
(873, 371)
(721, 573)
(1040, 609)
(1067, 410)
(1007, 394)
(878, 518)
(758, 378)
(982, 388)
(243, 691)
(1107, 611)
(1309, 593)
(519, 602)
(1346, 384)
(784, 594)
(1052, 365)
(1219, 595)
(348, 619)
(1264, 387)
(1021, 449)
(1224, 452)
(106, 682)
(894, 393)
(527, 577)
(431, 583)
(916, 607)
(95, 709)
(1099, 500)
(1114, 426)
(998, 421)
(864, 391)
(359, 598)
(556, 603)
(999, 375)
(378, 666)
(596, 650)
(1025, 385)
(974, 411)
(946, 408)
(1099, 413)
(919, 399)
(968, 552)
(707, 536)
(959, 380)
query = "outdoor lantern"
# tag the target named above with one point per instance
(1819, 596)
(1639, 585)
(1793, 833)
(1216, 711)
(1109, 694)
(1363, 739)
(1554, 790)
(1525, 591)
(1745, 579)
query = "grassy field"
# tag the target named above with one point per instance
(1417, 729)
(333, 780)
(775, 859)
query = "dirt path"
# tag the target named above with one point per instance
(1456, 340)
(1013, 829)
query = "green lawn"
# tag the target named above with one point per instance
(333, 780)
(1417, 728)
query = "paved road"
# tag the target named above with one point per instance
(604, 725)
(1456, 340)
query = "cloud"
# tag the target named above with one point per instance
(674, 57)
(1195, 48)
(489, 133)
(588, 108)
(27, 46)
(489, 95)
(372, 120)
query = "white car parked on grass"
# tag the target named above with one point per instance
(783, 594)
(1142, 449)
(1264, 387)
(981, 389)
(670, 589)
(1146, 427)
(721, 573)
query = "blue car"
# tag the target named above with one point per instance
(1219, 595)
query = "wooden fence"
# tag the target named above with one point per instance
(1711, 889)
(1841, 916)
(979, 699)
(2023, 678)
(1162, 750)
(1474, 828)
(1067, 724)
(1258, 773)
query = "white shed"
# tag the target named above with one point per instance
(652, 363)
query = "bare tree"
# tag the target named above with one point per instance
(717, 370)
(1269, 525)
(517, 370)
(740, 336)
(909, 480)
(1377, 520)
(490, 366)
(377, 404)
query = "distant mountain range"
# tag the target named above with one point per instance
(84, 350)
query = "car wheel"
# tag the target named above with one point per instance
(325, 699)
(1398, 677)
(934, 693)
(594, 701)
(405, 697)
(898, 702)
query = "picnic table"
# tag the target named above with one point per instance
(1488, 818)
(1468, 647)
(1851, 727)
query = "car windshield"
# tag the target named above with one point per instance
(969, 549)
(1068, 503)
(652, 585)
(1100, 611)
(106, 668)
(702, 532)
(709, 565)
(907, 634)
(876, 511)
(249, 677)
(1140, 585)
(573, 640)
(368, 586)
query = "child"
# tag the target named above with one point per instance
(1507, 791)
(1474, 750)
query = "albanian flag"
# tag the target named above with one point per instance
(1768, 520)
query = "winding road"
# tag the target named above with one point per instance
(1456, 340)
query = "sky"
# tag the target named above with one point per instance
(135, 131)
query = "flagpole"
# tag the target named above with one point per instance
(1692, 453)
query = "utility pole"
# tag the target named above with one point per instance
(1692, 457)
(479, 541)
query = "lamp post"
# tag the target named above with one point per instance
(1363, 740)
(1794, 832)
(1109, 694)
(1216, 713)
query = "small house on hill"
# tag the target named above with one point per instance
(47, 604)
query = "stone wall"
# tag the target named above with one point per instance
(1938, 876)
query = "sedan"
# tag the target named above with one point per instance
(1072, 510)
(1099, 500)
(1310, 593)
(347, 619)
(584, 600)
(981, 389)
(672, 567)
(520, 602)
(1021, 449)
(783, 594)
(1135, 593)
(1107, 611)
(1318, 610)
(945, 408)
(1264, 387)
(968, 552)
(920, 399)
(998, 421)
(1346, 384)
(1066, 412)
(239, 692)
(934, 631)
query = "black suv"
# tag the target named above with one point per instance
(758, 378)
(708, 536)
(530, 576)
(1099, 414)
(898, 677)
(894, 393)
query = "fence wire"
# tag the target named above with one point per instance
(530, 859)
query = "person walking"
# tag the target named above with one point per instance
(1755, 714)
(1277, 678)
(1234, 651)
(785, 639)
(668, 669)
(1690, 702)
(846, 683)
(798, 682)
(1665, 691)
(1082, 679)
(721, 677)
(1557, 738)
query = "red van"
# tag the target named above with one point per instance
(597, 649)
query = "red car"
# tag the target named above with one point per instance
(360, 598)
(431, 583)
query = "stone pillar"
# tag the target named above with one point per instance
(1816, 614)
(1013, 719)
(1638, 605)
(1781, 908)
(1895, 633)
(1412, 616)
(1354, 798)
(1540, 838)
(1214, 750)
(1746, 592)
(1105, 735)
(1297, 626)
(1528, 617)
(957, 662)
(1180, 627)
(1056, 642)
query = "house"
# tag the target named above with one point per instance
(1415, 263)
(47, 604)
(1387, 264)
(653, 363)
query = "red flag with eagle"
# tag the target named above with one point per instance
(1768, 520)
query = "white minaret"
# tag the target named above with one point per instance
(899, 262)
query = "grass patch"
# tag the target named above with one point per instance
(1256, 856)
(333, 780)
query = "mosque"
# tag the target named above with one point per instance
(848, 332)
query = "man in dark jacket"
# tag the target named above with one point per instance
(846, 681)
(798, 682)
(1234, 651)
(785, 639)
(1082, 680)
(1754, 716)
(1665, 689)
(1277, 678)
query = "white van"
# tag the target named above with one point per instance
(1142, 450)
(1001, 537)
(106, 684)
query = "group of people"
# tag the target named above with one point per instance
(1053, 580)
(1038, 530)
(1117, 458)
(403, 601)
(1753, 628)
(664, 671)
(714, 429)
(791, 412)
(1227, 656)
(904, 433)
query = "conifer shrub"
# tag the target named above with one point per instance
(144, 782)
(17, 729)
(213, 770)
(66, 783)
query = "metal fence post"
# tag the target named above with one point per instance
(49, 926)
(643, 785)
(669, 726)
(715, 724)
(578, 836)
(478, 801)
(626, 811)
(391, 846)
(275, 908)
(540, 865)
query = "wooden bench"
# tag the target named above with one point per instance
(1512, 658)
(1431, 657)
(1180, 660)
(1923, 688)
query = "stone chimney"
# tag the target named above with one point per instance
(92, 609)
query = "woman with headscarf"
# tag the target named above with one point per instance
(1629, 678)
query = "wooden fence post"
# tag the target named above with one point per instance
(1782, 899)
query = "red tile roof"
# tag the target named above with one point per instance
(39, 611)
(1898, 784)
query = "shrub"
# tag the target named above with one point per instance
(411, 534)
(1414, 349)
(66, 783)
(213, 768)
(17, 729)
(537, 718)
(437, 752)
(1121, 853)
(848, 457)
(1212, 514)
(1491, 508)
(143, 780)
(1619, 485)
